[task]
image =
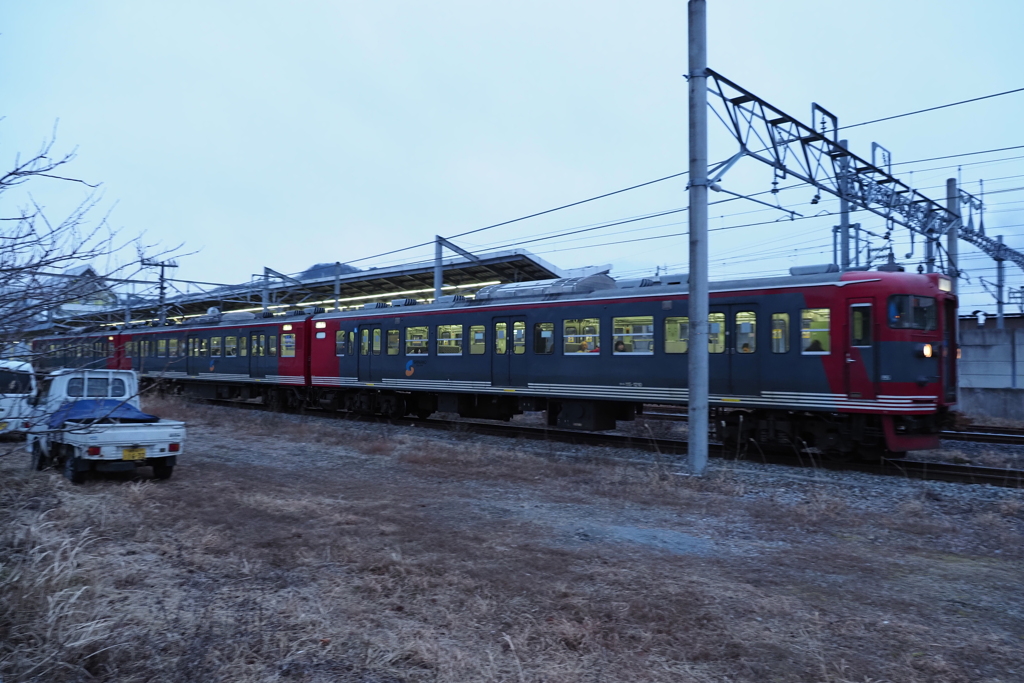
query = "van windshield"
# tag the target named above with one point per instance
(907, 311)
(15, 382)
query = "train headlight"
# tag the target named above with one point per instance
(945, 284)
(925, 351)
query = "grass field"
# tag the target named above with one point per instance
(286, 549)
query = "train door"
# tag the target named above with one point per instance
(508, 355)
(369, 341)
(744, 353)
(733, 366)
(860, 357)
(193, 363)
(258, 354)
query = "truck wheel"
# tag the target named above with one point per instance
(163, 471)
(71, 472)
(40, 460)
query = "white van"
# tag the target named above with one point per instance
(17, 386)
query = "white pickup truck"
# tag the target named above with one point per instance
(91, 420)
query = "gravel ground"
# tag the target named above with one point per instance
(301, 548)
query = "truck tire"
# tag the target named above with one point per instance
(40, 459)
(163, 471)
(71, 472)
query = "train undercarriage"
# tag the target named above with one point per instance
(834, 436)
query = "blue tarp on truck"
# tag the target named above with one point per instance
(93, 409)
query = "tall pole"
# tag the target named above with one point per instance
(337, 285)
(163, 296)
(438, 267)
(1000, 286)
(844, 212)
(953, 204)
(698, 294)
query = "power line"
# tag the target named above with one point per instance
(954, 156)
(941, 106)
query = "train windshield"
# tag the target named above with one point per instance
(912, 312)
(15, 382)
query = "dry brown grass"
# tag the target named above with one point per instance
(290, 550)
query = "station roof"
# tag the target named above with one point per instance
(414, 280)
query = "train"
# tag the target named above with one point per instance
(848, 364)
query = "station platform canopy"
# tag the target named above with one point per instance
(330, 286)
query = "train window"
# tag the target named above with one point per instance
(716, 333)
(814, 331)
(364, 342)
(161, 348)
(449, 340)
(288, 345)
(204, 347)
(477, 340)
(339, 343)
(394, 342)
(860, 325)
(230, 347)
(633, 336)
(128, 349)
(780, 332)
(262, 346)
(110, 349)
(215, 343)
(912, 312)
(500, 338)
(243, 346)
(746, 332)
(544, 338)
(191, 347)
(75, 386)
(272, 345)
(376, 341)
(581, 336)
(151, 348)
(677, 335)
(518, 337)
(417, 342)
(351, 342)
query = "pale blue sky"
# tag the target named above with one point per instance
(282, 134)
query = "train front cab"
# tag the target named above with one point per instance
(899, 356)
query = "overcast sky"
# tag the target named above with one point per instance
(284, 134)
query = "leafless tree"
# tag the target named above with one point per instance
(37, 251)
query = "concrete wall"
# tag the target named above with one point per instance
(991, 359)
(1004, 403)
(992, 373)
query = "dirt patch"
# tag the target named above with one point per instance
(291, 549)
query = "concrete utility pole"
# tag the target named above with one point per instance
(698, 295)
(953, 204)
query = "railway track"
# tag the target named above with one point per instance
(928, 471)
(1007, 436)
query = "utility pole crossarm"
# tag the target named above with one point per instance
(771, 136)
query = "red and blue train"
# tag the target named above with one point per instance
(853, 363)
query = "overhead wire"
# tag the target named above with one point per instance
(941, 106)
